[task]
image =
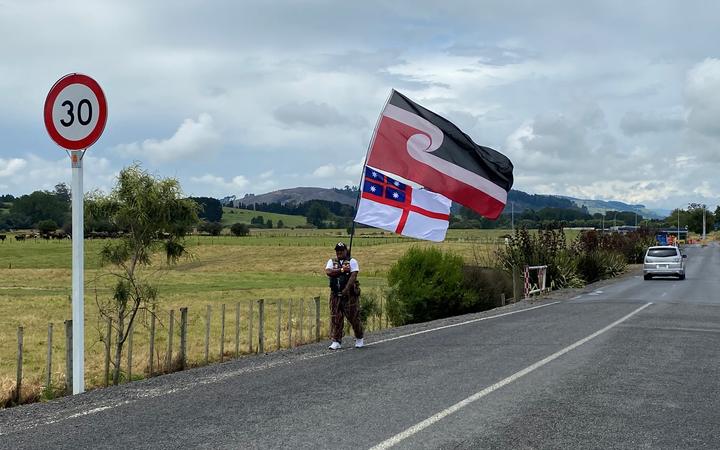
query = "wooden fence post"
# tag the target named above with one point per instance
(108, 335)
(517, 292)
(68, 358)
(48, 380)
(18, 382)
(131, 330)
(317, 319)
(250, 328)
(279, 311)
(222, 332)
(207, 335)
(171, 326)
(502, 299)
(183, 337)
(237, 329)
(152, 342)
(261, 326)
(290, 327)
(302, 315)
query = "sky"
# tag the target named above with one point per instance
(610, 100)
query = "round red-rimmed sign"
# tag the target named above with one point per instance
(75, 112)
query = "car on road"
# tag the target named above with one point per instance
(664, 260)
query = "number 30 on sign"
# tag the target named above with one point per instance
(75, 112)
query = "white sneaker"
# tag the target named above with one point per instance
(359, 343)
(334, 346)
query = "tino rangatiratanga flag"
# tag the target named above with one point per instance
(414, 143)
(394, 206)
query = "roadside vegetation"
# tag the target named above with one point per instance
(278, 265)
(429, 283)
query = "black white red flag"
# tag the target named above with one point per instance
(413, 142)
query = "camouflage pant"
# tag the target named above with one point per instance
(345, 307)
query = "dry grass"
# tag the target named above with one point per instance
(221, 271)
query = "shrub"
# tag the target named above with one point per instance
(567, 276)
(240, 229)
(369, 305)
(483, 287)
(47, 226)
(425, 284)
(546, 247)
(600, 264)
(631, 245)
(211, 228)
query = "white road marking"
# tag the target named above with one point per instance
(477, 396)
(691, 330)
(457, 324)
(159, 392)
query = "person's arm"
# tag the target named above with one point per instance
(350, 283)
(330, 271)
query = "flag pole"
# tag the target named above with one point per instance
(362, 172)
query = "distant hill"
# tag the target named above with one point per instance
(520, 201)
(600, 206)
(300, 195)
(234, 215)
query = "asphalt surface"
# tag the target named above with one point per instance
(626, 363)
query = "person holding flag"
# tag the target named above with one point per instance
(342, 273)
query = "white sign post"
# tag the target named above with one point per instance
(75, 114)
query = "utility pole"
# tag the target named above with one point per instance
(512, 216)
(703, 223)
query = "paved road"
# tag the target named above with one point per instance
(623, 364)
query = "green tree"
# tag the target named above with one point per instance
(269, 223)
(211, 228)
(695, 217)
(281, 224)
(317, 214)
(210, 208)
(62, 192)
(41, 205)
(240, 229)
(156, 217)
(47, 226)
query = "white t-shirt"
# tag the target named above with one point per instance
(353, 265)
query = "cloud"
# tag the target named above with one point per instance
(9, 167)
(634, 123)
(25, 175)
(494, 55)
(325, 171)
(192, 140)
(702, 92)
(237, 183)
(351, 168)
(313, 114)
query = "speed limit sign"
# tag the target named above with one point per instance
(75, 112)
